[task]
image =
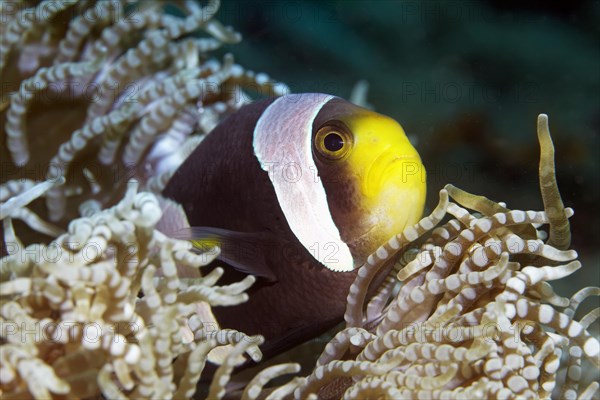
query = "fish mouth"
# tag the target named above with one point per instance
(358, 240)
(370, 175)
(368, 231)
(382, 170)
(360, 247)
(404, 162)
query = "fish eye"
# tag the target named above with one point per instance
(333, 141)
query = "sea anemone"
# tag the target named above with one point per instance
(87, 314)
(475, 316)
(101, 103)
(135, 87)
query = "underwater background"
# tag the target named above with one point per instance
(466, 80)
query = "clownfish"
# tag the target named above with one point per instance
(298, 191)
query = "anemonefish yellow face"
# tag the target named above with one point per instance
(367, 182)
(372, 174)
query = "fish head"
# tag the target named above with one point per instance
(374, 178)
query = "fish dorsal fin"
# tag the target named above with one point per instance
(244, 251)
(283, 138)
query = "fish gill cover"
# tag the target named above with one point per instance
(100, 104)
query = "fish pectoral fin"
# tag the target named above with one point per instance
(244, 251)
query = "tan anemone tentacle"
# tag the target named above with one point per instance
(217, 387)
(342, 342)
(287, 389)
(560, 232)
(27, 196)
(22, 99)
(28, 22)
(255, 386)
(81, 26)
(358, 290)
(165, 112)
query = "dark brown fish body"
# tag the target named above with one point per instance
(228, 189)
